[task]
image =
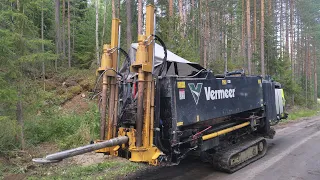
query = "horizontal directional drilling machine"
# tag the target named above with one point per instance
(161, 112)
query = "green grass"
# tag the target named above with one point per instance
(299, 112)
(68, 130)
(105, 170)
(303, 113)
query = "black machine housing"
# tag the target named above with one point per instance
(189, 107)
(191, 102)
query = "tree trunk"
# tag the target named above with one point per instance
(97, 32)
(249, 38)
(20, 118)
(63, 29)
(306, 69)
(118, 10)
(193, 10)
(114, 9)
(42, 48)
(287, 27)
(231, 38)
(129, 19)
(181, 18)
(18, 5)
(298, 48)
(262, 39)
(73, 33)
(193, 25)
(171, 8)
(291, 38)
(225, 52)
(104, 23)
(140, 17)
(254, 25)
(243, 30)
(185, 16)
(57, 29)
(201, 39)
(206, 35)
(281, 29)
(69, 39)
(292, 46)
(270, 8)
(315, 74)
(309, 60)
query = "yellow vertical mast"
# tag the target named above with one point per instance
(109, 64)
(144, 150)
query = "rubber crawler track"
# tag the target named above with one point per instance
(221, 159)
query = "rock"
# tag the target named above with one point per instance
(69, 83)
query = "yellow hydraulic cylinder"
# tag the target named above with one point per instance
(106, 61)
(149, 31)
(152, 113)
(141, 55)
(224, 131)
(105, 65)
(148, 77)
(147, 115)
(113, 104)
(140, 105)
(114, 41)
(144, 56)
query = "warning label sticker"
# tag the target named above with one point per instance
(182, 94)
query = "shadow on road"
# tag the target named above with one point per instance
(189, 168)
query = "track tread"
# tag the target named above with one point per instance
(222, 157)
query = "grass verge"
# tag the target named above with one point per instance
(297, 113)
(105, 170)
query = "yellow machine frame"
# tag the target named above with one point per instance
(108, 67)
(145, 150)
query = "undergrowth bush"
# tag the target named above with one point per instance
(43, 118)
(8, 134)
(68, 130)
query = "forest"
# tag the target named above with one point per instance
(50, 50)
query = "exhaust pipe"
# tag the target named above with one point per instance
(56, 157)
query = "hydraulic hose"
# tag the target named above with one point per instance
(165, 53)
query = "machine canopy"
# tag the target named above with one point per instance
(175, 65)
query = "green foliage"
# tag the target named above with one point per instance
(44, 119)
(20, 47)
(7, 95)
(281, 73)
(69, 130)
(8, 134)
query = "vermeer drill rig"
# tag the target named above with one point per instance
(161, 112)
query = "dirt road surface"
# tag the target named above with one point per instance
(294, 154)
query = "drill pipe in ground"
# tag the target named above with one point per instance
(83, 149)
